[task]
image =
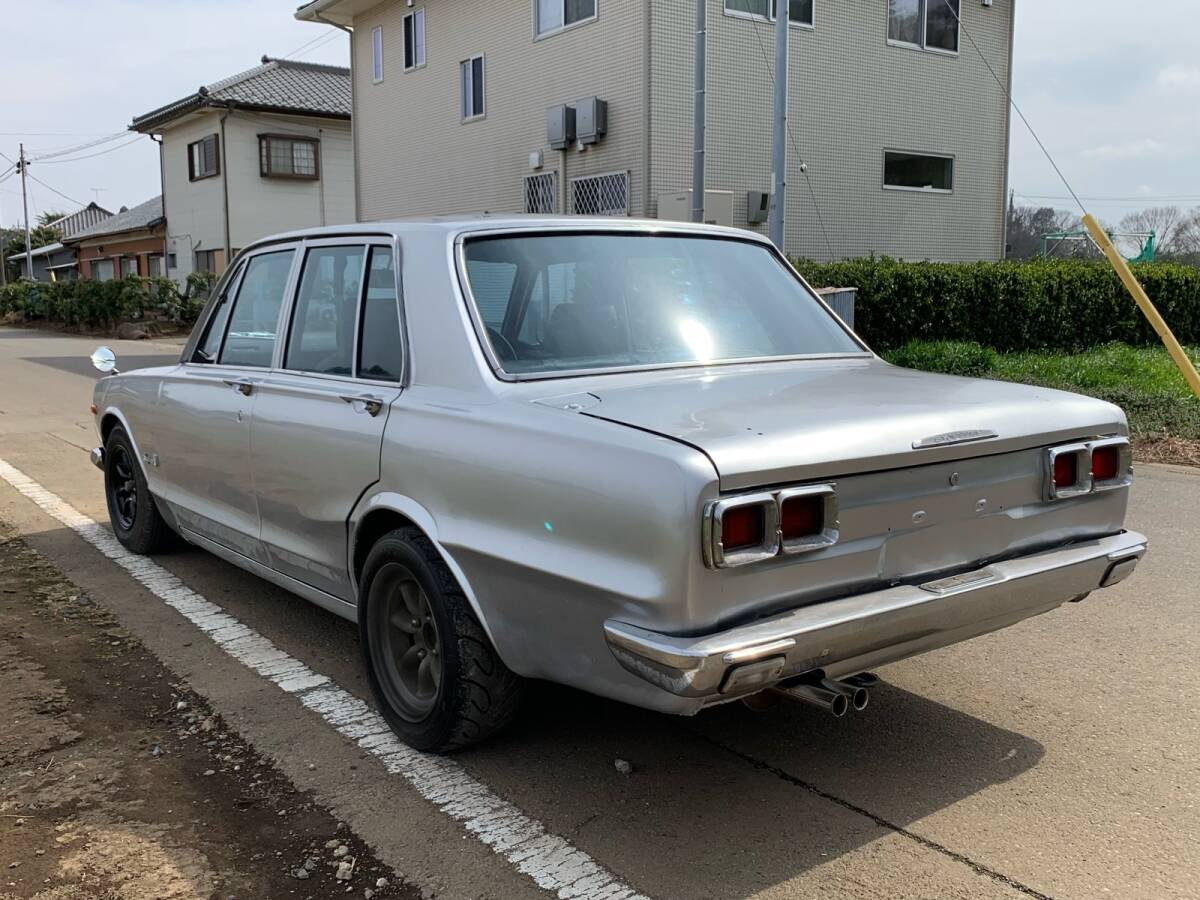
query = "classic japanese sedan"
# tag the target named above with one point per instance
(639, 458)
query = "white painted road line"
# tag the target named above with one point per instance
(549, 860)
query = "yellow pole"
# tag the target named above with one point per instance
(1104, 242)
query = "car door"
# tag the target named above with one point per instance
(206, 407)
(319, 419)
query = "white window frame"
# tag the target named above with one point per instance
(539, 35)
(377, 54)
(924, 19)
(918, 190)
(418, 19)
(468, 65)
(754, 17)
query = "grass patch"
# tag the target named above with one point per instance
(1141, 380)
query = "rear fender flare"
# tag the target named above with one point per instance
(423, 519)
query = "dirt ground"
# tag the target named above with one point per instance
(117, 783)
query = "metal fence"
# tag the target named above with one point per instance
(541, 193)
(601, 195)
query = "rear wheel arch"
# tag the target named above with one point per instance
(386, 514)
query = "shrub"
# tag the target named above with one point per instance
(104, 304)
(950, 357)
(1042, 304)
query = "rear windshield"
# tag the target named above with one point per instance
(552, 303)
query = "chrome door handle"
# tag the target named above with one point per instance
(365, 403)
(242, 385)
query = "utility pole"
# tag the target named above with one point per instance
(698, 112)
(23, 164)
(779, 157)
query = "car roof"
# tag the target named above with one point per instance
(462, 224)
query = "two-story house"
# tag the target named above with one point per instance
(264, 151)
(899, 132)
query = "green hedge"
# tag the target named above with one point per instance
(1042, 304)
(105, 304)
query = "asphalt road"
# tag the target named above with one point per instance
(1059, 758)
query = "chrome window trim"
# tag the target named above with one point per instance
(715, 555)
(1125, 464)
(828, 536)
(457, 252)
(246, 258)
(1083, 472)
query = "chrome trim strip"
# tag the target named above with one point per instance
(1124, 466)
(1083, 472)
(950, 438)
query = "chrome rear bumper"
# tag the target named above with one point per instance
(853, 634)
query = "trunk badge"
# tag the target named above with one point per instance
(954, 437)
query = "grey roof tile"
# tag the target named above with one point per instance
(278, 84)
(141, 216)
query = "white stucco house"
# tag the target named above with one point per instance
(264, 151)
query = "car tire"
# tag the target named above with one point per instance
(434, 673)
(135, 518)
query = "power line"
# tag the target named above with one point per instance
(54, 190)
(85, 146)
(1182, 198)
(1008, 96)
(51, 162)
(795, 147)
(318, 41)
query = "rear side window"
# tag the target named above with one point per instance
(322, 334)
(254, 321)
(380, 352)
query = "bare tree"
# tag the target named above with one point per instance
(1164, 221)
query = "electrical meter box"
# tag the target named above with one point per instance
(591, 119)
(560, 126)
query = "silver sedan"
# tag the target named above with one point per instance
(643, 460)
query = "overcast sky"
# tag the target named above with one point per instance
(1115, 95)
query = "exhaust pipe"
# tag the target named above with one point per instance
(833, 702)
(856, 694)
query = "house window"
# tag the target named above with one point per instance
(541, 193)
(918, 172)
(206, 261)
(128, 266)
(800, 12)
(472, 88)
(377, 54)
(555, 15)
(103, 270)
(203, 159)
(930, 24)
(155, 267)
(601, 195)
(414, 40)
(285, 156)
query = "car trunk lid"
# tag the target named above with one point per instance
(793, 422)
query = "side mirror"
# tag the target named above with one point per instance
(105, 360)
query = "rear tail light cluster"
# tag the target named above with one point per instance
(754, 527)
(1077, 469)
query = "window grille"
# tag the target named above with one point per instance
(541, 193)
(601, 195)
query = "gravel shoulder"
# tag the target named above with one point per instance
(118, 783)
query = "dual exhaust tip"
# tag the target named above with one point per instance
(835, 697)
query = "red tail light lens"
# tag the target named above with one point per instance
(743, 527)
(802, 517)
(1106, 463)
(1066, 470)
